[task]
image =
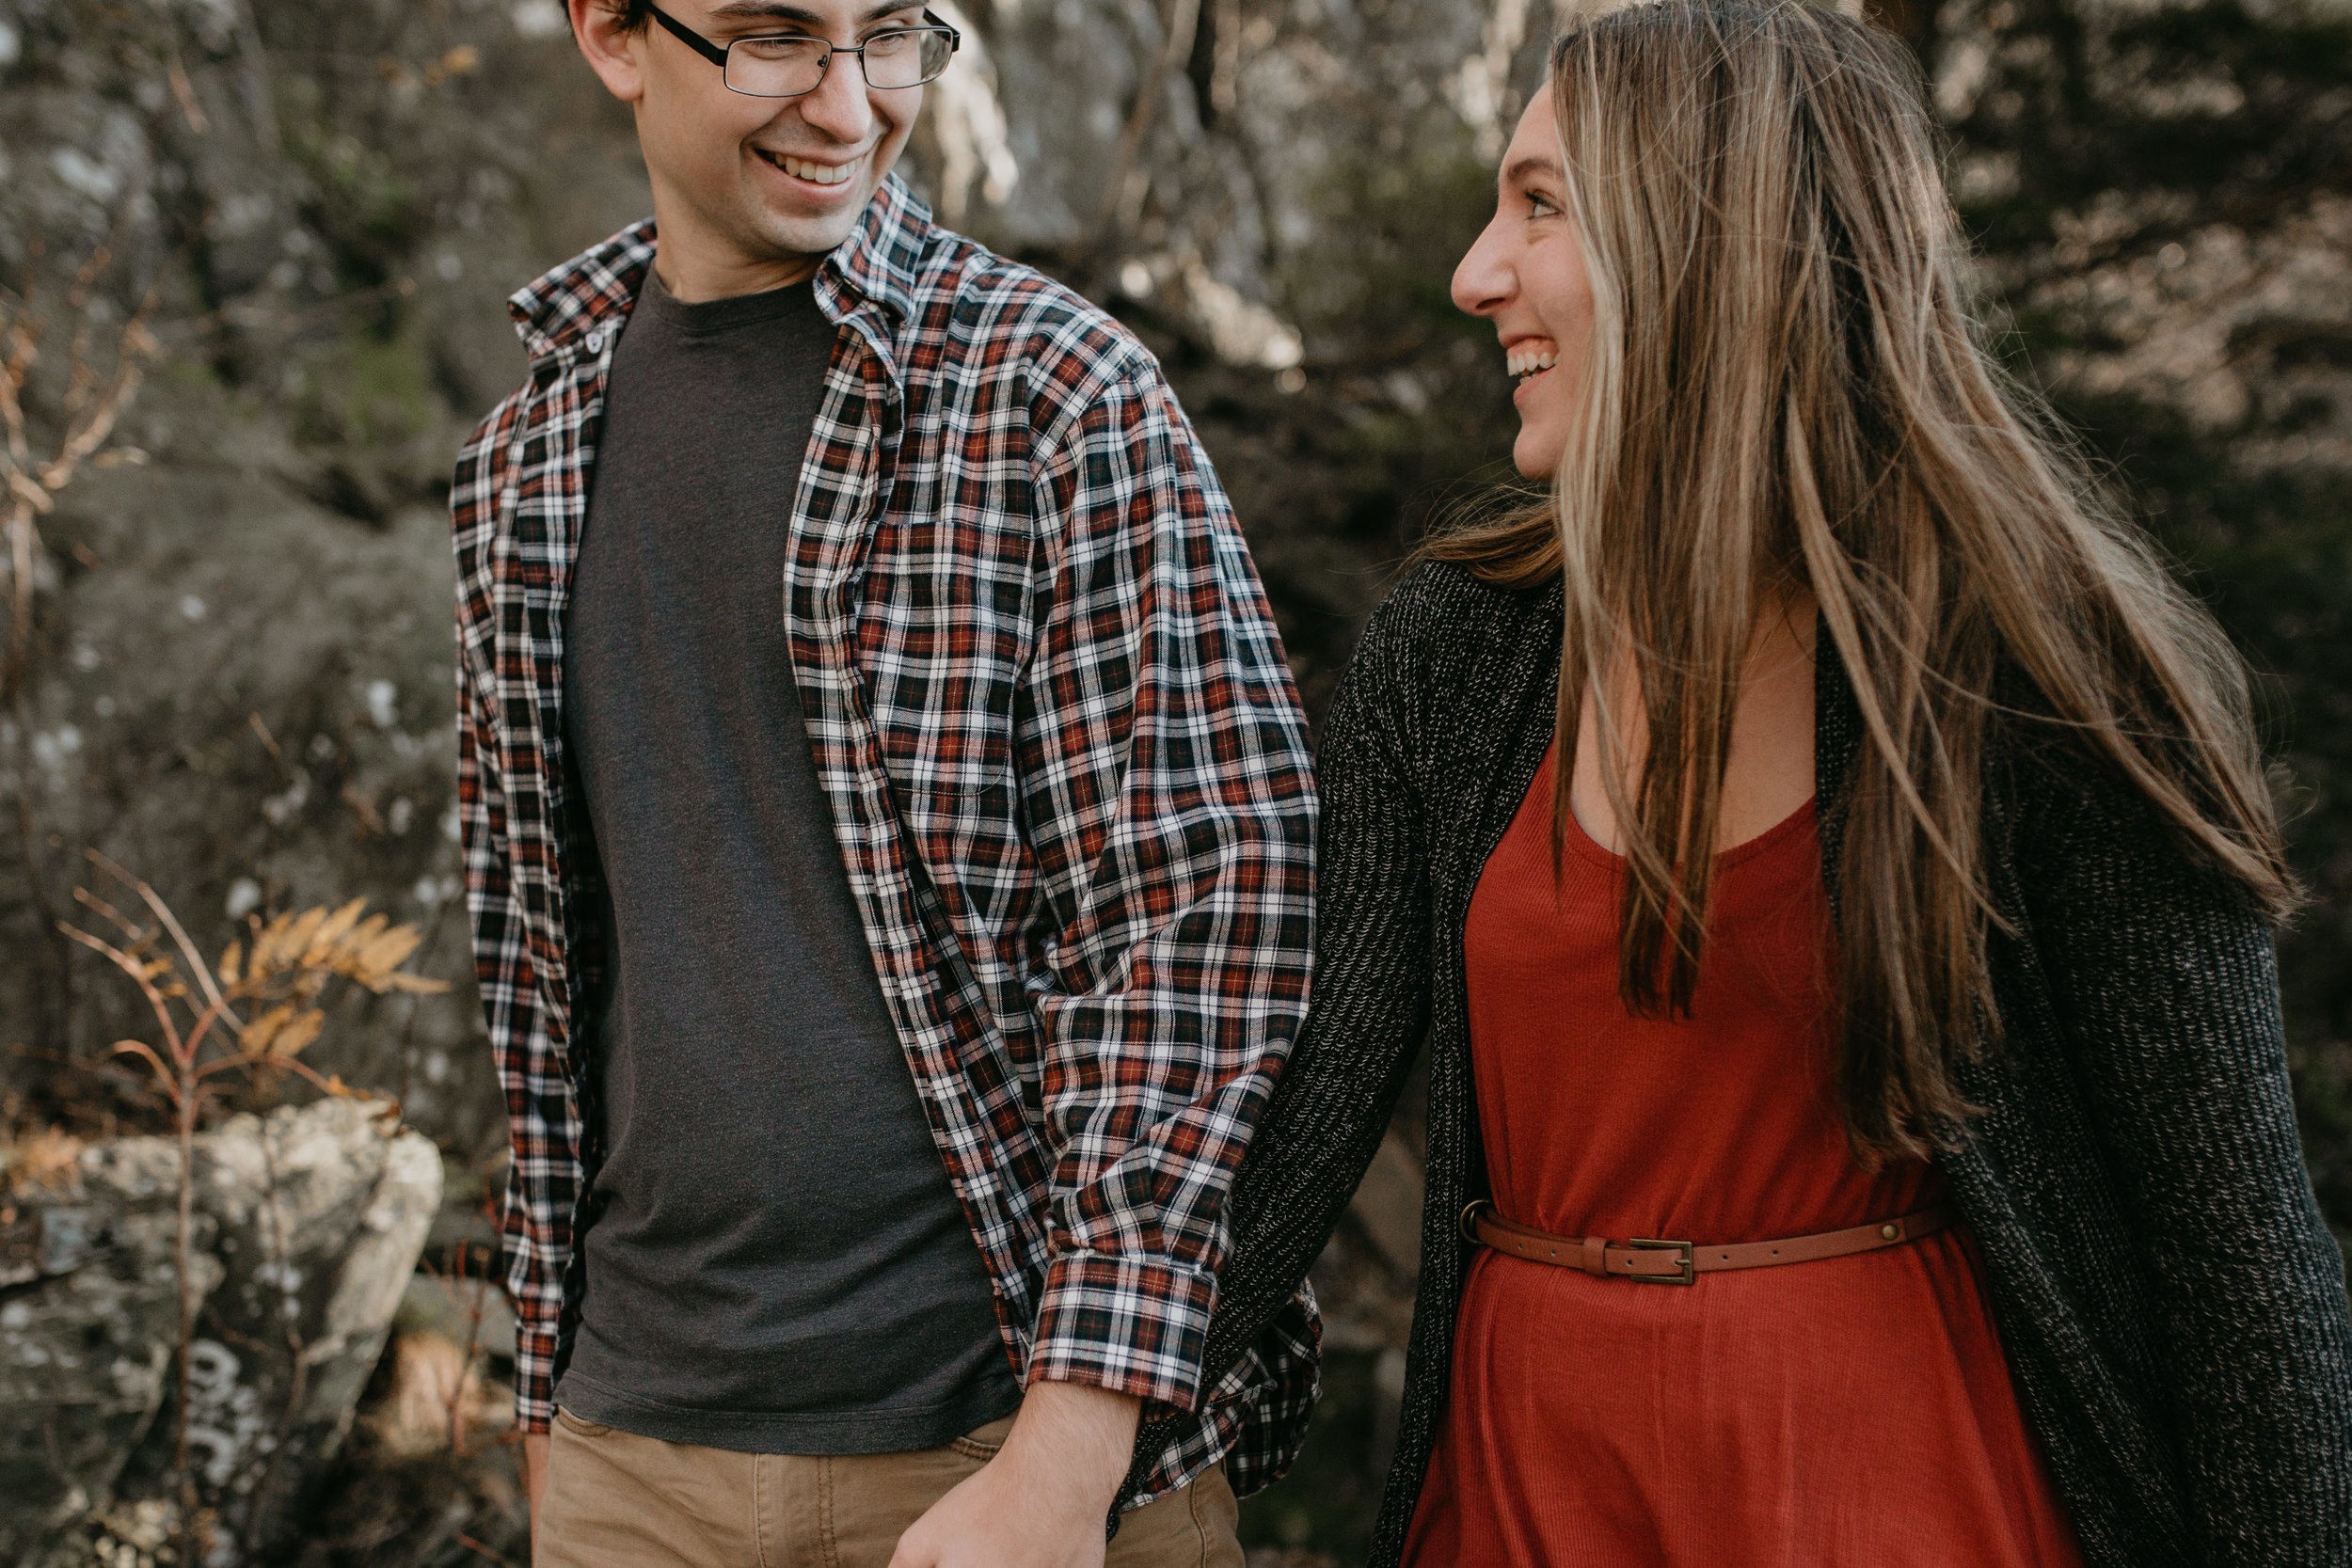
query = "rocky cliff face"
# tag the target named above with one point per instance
(238, 678)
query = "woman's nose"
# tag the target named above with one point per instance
(1482, 281)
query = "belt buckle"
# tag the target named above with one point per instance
(1649, 1244)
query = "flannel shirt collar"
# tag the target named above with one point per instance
(558, 314)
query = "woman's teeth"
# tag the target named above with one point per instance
(1526, 362)
(816, 174)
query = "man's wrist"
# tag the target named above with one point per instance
(1074, 1442)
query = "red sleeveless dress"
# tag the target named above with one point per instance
(1852, 1412)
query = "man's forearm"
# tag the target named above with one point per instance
(535, 1471)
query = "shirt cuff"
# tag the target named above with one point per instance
(1134, 1326)
(534, 1377)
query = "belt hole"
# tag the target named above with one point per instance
(1775, 1252)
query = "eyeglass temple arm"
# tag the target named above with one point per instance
(690, 38)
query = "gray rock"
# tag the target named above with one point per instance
(85, 1365)
(308, 1224)
(464, 1312)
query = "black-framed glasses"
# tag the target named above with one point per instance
(786, 64)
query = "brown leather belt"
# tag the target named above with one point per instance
(1662, 1262)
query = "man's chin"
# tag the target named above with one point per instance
(787, 232)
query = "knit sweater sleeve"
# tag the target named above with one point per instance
(2166, 983)
(1331, 1106)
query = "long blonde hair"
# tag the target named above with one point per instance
(1787, 393)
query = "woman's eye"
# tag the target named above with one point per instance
(1540, 206)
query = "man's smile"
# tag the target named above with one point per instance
(810, 170)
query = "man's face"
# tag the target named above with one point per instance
(756, 182)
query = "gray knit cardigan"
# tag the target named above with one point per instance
(2171, 1302)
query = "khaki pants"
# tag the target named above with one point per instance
(617, 1501)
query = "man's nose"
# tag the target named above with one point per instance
(837, 105)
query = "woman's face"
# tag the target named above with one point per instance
(1526, 275)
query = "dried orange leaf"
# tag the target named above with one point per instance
(270, 944)
(300, 1033)
(255, 1038)
(391, 949)
(231, 963)
(294, 946)
(416, 984)
(330, 932)
(367, 929)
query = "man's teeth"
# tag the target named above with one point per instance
(818, 174)
(1527, 361)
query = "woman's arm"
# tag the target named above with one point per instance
(2167, 980)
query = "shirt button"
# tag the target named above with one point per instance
(595, 342)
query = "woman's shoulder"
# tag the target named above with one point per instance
(1440, 622)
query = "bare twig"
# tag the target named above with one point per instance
(89, 900)
(187, 949)
(139, 976)
(183, 92)
(1183, 18)
(164, 1074)
(479, 1549)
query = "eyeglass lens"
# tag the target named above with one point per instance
(788, 67)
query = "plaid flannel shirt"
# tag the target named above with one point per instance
(1067, 769)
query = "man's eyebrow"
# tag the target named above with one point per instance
(1532, 164)
(784, 10)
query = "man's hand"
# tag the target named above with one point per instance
(534, 1462)
(1043, 1500)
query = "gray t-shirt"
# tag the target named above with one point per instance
(776, 1260)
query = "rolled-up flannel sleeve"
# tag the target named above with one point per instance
(1169, 797)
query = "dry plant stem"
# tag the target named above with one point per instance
(480, 1550)
(170, 921)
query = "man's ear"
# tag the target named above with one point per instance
(616, 54)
